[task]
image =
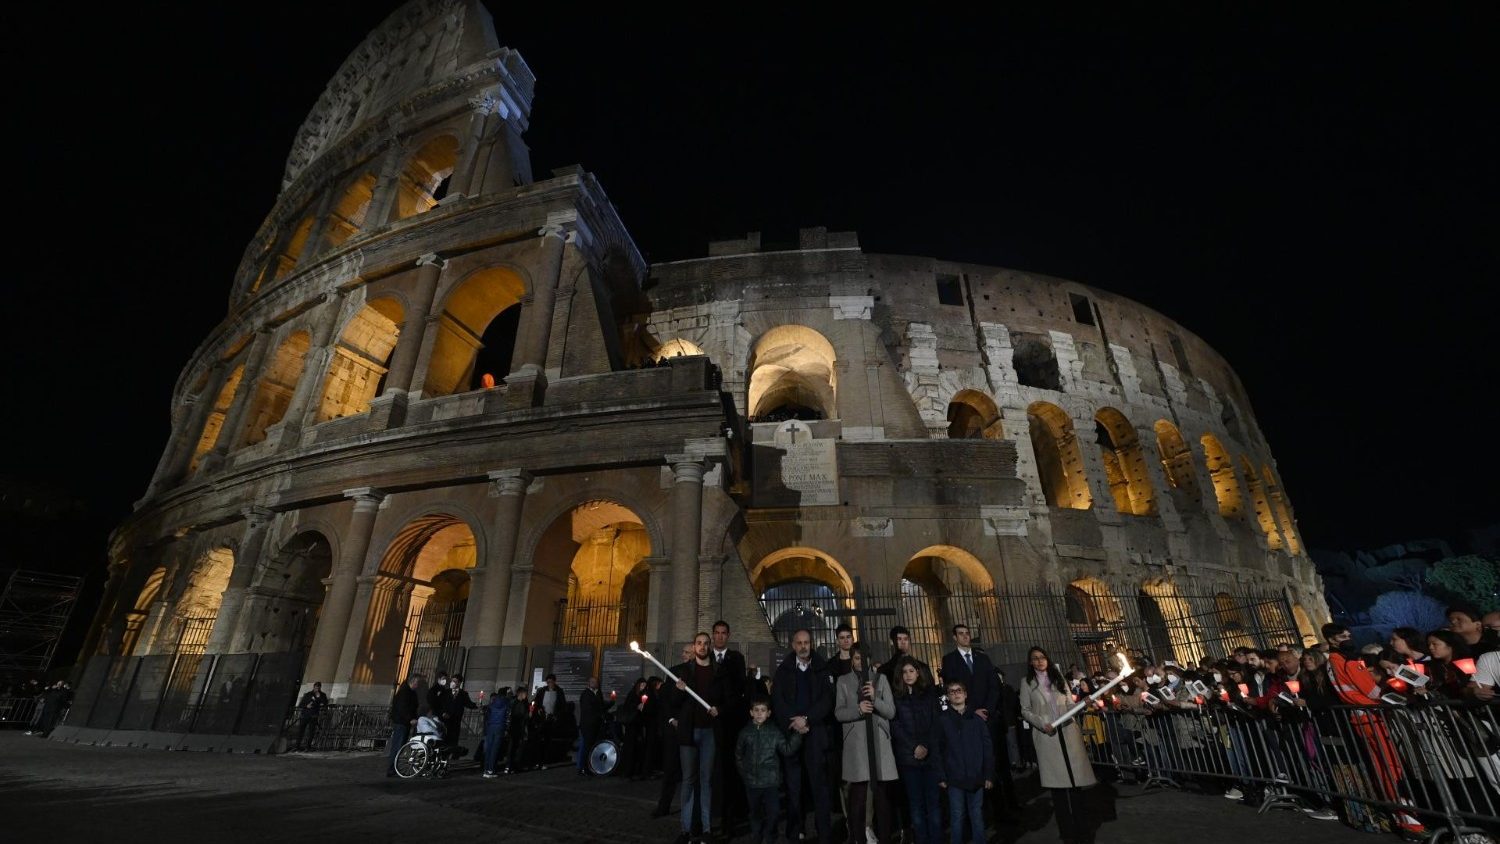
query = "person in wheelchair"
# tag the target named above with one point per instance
(432, 736)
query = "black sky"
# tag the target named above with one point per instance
(1314, 196)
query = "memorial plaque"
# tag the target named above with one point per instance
(622, 667)
(573, 669)
(797, 470)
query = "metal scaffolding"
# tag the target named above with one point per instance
(34, 611)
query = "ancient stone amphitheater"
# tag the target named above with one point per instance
(452, 419)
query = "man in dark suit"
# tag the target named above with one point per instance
(802, 699)
(404, 705)
(972, 666)
(728, 792)
(591, 710)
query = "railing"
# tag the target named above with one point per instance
(20, 711)
(1436, 765)
(365, 727)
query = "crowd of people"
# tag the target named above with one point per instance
(904, 753)
(44, 705)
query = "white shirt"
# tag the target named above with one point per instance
(1487, 669)
(803, 666)
(549, 701)
(719, 656)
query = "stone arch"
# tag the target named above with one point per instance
(1177, 462)
(676, 347)
(802, 587)
(411, 624)
(283, 603)
(587, 560)
(1169, 621)
(274, 388)
(1281, 510)
(1234, 627)
(361, 358)
(284, 263)
(1263, 515)
(470, 309)
(1096, 621)
(972, 415)
(1221, 470)
(214, 422)
(135, 617)
(942, 585)
(792, 376)
(348, 216)
(425, 176)
(1124, 463)
(1059, 462)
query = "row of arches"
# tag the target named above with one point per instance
(423, 180)
(472, 348)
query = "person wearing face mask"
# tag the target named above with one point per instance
(438, 695)
(1355, 685)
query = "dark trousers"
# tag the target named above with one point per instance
(399, 734)
(856, 818)
(765, 810)
(307, 731)
(671, 770)
(494, 737)
(729, 791)
(812, 761)
(1072, 820)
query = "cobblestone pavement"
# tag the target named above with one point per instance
(79, 793)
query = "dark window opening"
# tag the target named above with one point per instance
(499, 343)
(1180, 354)
(950, 290)
(442, 189)
(791, 410)
(1036, 365)
(1083, 311)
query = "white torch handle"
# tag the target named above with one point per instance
(1068, 716)
(675, 679)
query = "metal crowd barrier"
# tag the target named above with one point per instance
(366, 727)
(1432, 765)
(20, 710)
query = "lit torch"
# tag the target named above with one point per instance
(636, 646)
(1125, 671)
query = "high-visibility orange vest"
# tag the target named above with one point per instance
(1352, 680)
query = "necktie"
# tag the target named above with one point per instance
(969, 661)
(721, 659)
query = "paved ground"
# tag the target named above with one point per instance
(69, 793)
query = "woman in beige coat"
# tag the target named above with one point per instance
(864, 708)
(1060, 754)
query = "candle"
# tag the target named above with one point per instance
(1224, 695)
(1125, 671)
(1465, 665)
(1294, 686)
(1397, 685)
(1244, 690)
(635, 646)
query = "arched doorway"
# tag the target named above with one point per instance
(1177, 461)
(1171, 627)
(1059, 464)
(1096, 622)
(135, 618)
(1124, 463)
(418, 602)
(792, 376)
(476, 334)
(196, 609)
(361, 359)
(972, 415)
(804, 588)
(941, 586)
(424, 180)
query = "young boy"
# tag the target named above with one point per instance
(757, 753)
(965, 764)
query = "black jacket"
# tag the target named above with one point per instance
(437, 699)
(915, 724)
(590, 710)
(964, 758)
(404, 705)
(685, 708)
(456, 703)
(1010, 705)
(983, 685)
(784, 693)
(736, 707)
(311, 704)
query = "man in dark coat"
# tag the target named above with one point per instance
(404, 704)
(972, 666)
(438, 695)
(802, 696)
(590, 722)
(308, 710)
(456, 701)
(728, 790)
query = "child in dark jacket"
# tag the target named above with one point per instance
(757, 754)
(965, 763)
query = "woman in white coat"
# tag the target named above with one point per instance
(1060, 755)
(864, 707)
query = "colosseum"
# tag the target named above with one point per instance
(452, 419)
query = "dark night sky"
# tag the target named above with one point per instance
(1316, 197)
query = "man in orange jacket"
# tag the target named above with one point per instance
(1357, 686)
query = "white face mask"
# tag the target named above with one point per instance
(1218, 678)
(1173, 678)
(443, 682)
(1153, 678)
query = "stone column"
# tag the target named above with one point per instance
(658, 599)
(186, 430)
(354, 632)
(109, 619)
(246, 562)
(302, 407)
(510, 487)
(234, 419)
(687, 527)
(1085, 433)
(414, 327)
(515, 614)
(470, 170)
(538, 317)
(387, 186)
(328, 641)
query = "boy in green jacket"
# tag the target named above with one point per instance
(757, 754)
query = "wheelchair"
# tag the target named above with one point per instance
(425, 755)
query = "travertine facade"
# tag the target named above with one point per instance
(445, 384)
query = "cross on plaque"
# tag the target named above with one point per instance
(791, 429)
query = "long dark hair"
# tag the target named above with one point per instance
(917, 688)
(1053, 673)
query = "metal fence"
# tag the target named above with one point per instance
(1081, 625)
(19, 711)
(1432, 765)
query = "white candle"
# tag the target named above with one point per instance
(1125, 671)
